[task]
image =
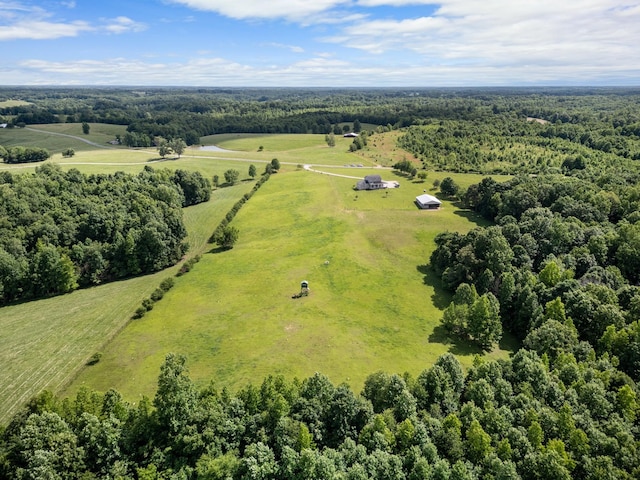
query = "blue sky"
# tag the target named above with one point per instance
(329, 43)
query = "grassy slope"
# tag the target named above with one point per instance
(372, 307)
(99, 133)
(233, 315)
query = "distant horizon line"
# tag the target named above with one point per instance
(310, 87)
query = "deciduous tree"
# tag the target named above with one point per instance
(228, 237)
(231, 176)
(448, 187)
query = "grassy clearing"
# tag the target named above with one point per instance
(13, 103)
(289, 149)
(55, 137)
(250, 142)
(373, 306)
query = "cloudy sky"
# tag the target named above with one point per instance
(356, 43)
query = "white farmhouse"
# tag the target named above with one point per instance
(371, 182)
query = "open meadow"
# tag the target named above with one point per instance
(374, 305)
(58, 137)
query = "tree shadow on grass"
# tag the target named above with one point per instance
(472, 216)
(457, 346)
(400, 174)
(509, 343)
(219, 249)
(163, 159)
(441, 297)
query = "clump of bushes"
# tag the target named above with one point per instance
(147, 304)
(187, 266)
(95, 358)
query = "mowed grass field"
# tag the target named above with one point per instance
(373, 306)
(58, 137)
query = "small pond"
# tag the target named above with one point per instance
(213, 148)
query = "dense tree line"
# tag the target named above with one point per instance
(561, 267)
(23, 154)
(589, 120)
(61, 229)
(570, 416)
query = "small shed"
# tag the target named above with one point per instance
(350, 135)
(428, 202)
(371, 182)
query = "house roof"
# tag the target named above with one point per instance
(373, 179)
(426, 199)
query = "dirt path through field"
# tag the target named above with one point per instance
(70, 136)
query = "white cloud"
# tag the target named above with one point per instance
(293, 48)
(507, 32)
(120, 25)
(21, 22)
(41, 30)
(320, 70)
(394, 3)
(255, 9)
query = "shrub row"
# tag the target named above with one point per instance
(236, 207)
(158, 293)
(188, 265)
(167, 283)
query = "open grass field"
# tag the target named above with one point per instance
(59, 136)
(13, 103)
(373, 305)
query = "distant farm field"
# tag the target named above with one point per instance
(58, 137)
(13, 103)
(374, 305)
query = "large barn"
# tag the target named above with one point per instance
(428, 202)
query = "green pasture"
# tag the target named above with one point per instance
(288, 149)
(373, 305)
(58, 137)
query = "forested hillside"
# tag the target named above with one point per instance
(560, 268)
